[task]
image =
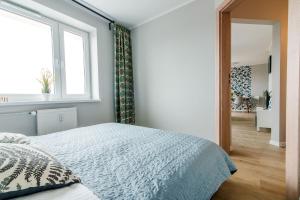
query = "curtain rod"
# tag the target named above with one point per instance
(95, 12)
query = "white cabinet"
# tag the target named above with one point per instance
(54, 120)
(264, 118)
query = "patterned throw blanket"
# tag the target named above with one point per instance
(129, 162)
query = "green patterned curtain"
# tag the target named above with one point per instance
(124, 91)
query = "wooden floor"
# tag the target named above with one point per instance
(261, 166)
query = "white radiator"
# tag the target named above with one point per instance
(54, 120)
(20, 122)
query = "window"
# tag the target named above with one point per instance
(26, 46)
(74, 63)
(31, 45)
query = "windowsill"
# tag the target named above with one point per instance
(29, 103)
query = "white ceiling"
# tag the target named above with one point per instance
(251, 43)
(136, 12)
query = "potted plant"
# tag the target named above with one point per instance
(46, 81)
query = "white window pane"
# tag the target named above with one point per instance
(25, 49)
(74, 63)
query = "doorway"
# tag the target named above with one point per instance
(226, 13)
(254, 119)
(255, 80)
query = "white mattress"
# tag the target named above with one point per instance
(73, 192)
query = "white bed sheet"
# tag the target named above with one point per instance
(73, 192)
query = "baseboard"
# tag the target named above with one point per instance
(278, 144)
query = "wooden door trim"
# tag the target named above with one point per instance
(224, 62)
(225, 49)
(229, 5)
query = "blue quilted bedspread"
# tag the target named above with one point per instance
(129, 162)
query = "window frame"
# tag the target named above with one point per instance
(57, 27)
(86, 62)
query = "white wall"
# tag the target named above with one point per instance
(260, 79)
(275, 137)
(174, 62)
(88, 113)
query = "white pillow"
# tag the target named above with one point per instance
(14, 138)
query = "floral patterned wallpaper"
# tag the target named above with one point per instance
(241, 80)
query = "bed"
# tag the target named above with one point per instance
(125, 162)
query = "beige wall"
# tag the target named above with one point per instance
(293, 113)
(271, 11)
